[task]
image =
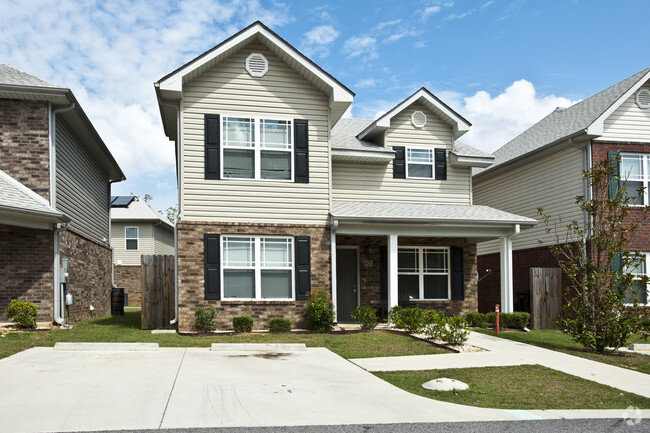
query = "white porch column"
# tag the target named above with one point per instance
(333, 276)
(392, 271)
(506, 275)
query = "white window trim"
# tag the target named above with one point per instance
(432, 163)
(137, 238)
(257, 149)
(646, 258)
(257, 266)
(645, 177)
(421, 272)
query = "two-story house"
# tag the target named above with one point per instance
(279, 194)
(136, 230)
(55, 182)
(543, 166)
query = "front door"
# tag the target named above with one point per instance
(347, 296)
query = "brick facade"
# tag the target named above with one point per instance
(24, 143)
(26, 269)
(191, 282)
(129, 278)
(89, 279)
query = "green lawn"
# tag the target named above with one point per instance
(556, 340)
(127, 329)
(518, 387)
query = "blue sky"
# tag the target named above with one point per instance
(502, 64)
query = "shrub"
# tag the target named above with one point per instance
(491, 318)
(456, 331)
(517, 320)
(409, 319)
(279, 324)
(24, 314)
(477, 320)
(242, 323)
(319, 312)
(367, 316)
(204, 319)
(434, 323)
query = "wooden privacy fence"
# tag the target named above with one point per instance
(545, 296)
(157, 291)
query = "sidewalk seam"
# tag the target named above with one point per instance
(171, 391)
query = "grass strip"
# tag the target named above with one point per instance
(517, 387)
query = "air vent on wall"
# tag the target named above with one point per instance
(418, 119)
(643, 98)
(257, 65)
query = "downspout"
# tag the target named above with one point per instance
(178, 216)
(334, 226)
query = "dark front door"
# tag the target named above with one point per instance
(346, 283)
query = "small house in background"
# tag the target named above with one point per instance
(55, 182)
(136, 229)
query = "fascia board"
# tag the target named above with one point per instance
(598, 126)
(470, 161)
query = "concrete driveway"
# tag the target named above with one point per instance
(47, 389)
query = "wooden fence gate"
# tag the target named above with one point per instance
(157, 291)
(545, 296)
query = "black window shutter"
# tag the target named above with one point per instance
(441, 164)
(212, 151)
(301, 150)
(383, 273)
(303, 266)
(457, 283)
(614, 181)
(399, 167)
(212, 253)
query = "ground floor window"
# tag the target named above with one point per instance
(423, 272)
(639, 290)
(257, 267)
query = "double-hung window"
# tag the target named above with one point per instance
(257, 148)
(257, 267)
(419, 163)
(423, 272)
(635, 174)
(131, 238)
(638, 292)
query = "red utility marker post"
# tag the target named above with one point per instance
(496, 310)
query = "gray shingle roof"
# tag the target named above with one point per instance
(14, 77)
(405, 212)
(344, 136)
(563, 123)
(138, 210)
(16, 197)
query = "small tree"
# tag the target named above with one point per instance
(598, 312)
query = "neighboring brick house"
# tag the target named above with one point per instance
(136, 230)
(279, 194)
(543, 167)
(55, 181)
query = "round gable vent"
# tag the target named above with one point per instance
(418, 119)
(643, 98)
(257, 65)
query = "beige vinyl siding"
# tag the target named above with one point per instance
(145, 242)
(163, 239)
(552, 183)
(628, 122)
(229, 89)
(374, 182)
(82, 190)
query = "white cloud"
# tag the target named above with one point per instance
(382, 25)
(364, 46)
(497, 120)
(366, 82)
(318, 39)
(431, 10)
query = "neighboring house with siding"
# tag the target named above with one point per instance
(542, 167)
(136, 230)
(55, 182)
(279, 194)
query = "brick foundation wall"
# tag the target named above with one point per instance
(129, 278)
(89, 279)
(191, 273)
(26, 269)
(24, 143)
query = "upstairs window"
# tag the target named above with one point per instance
(257, 148)
(638, 291)
(635, 175)
(131, 238)
(419, 163)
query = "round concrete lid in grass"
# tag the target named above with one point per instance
(444, 384)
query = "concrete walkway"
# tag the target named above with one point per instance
(502, 352)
